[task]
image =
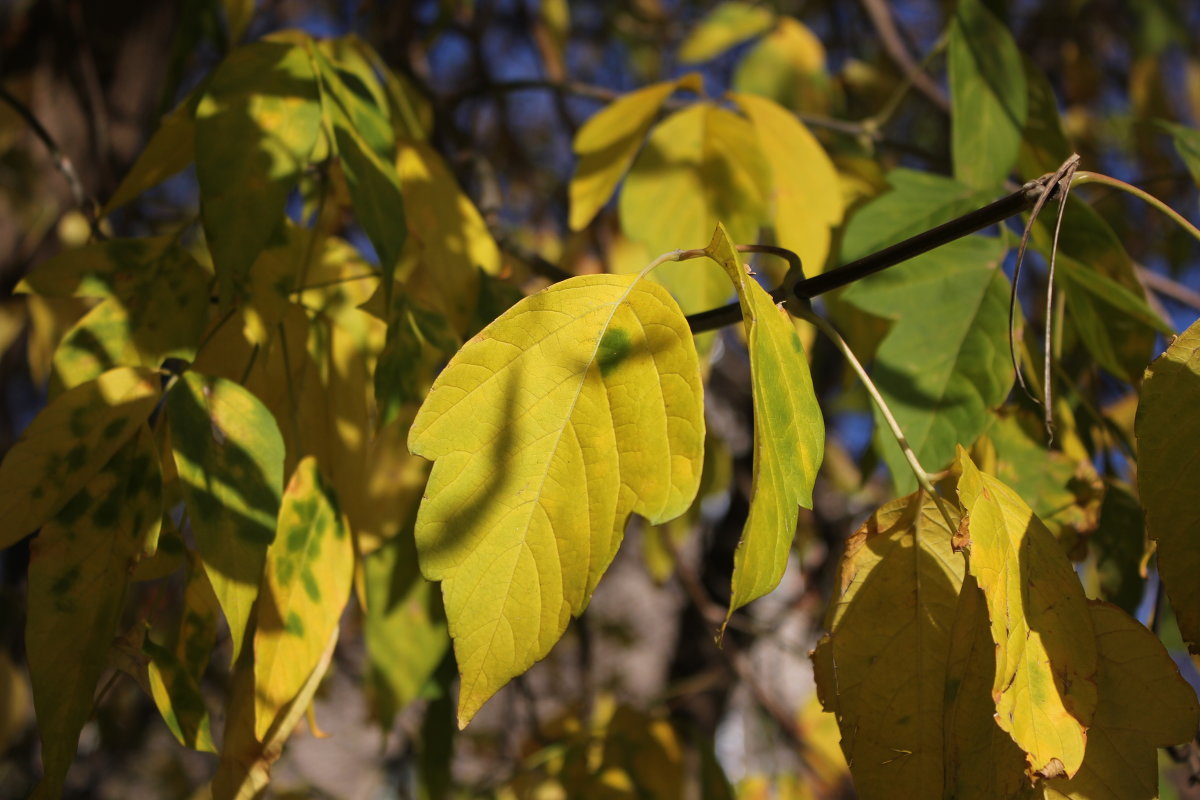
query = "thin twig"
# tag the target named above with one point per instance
(884, 411)
(1105, 180)
(1168, 288)
(889, 36)
(61, 161)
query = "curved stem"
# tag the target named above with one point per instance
(1082, 178)
(922, 476)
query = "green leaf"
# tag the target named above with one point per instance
(109, 268)
(67, 444)
(917, 201)
(1118, 545)
(578, 406)
(1187, 144)
(729, 24)
(178, 698)
(703, 163)
(169, 151)
(944, 364)
(349, 82)
(1045, 680)
(255, 127)
(229, 454)
(1168, 436)
(607, 143)
(405, 626)
(309, 570)
(789, 432)
(892, 693)
(238, 14)
(989, 100)
(79, 569)
(806, 194)
(1044, 144)
(1144, 704)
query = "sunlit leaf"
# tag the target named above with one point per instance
(307, 584)
(789, 432)
(578, 406)
(229, 454)
(349, 82)
(1144, 704)
(788, 66)
(1045, 681)
(889, 693)
(705, 165)
(944, 364)
(79, 569)
(255, 127)
(806, 199)
(607, 143)
(989, 100)
(728, 24)
(1168, 436)
(178, 698)
(67, 444)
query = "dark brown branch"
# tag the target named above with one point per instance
(61, 162)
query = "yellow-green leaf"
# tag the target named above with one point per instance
(788, 66)
(229, 454)
(169, 151)
(1045, 681)
(309, 571)
(806, 196)
(789, 432)
(79, 569)
(1144, 704)
(68, 443)
(728, 24)
(898, 577)
(989, 101)
(255, 127)
(578, 406)
(238, 14)
(704, 165)
(1168, 437)
(178, 698)
(607, 143)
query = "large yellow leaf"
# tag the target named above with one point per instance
(806, 198)
(700, 166)
(789, 432)
(1168, 437)
(1144, 704)
(607, 143)
(1045, 681)
(79, 568)
(579, 405)
(306, 586)
(68, 443)
(229, 454)
(886, 659)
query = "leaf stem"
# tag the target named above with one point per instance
(922, 476)
(1082, 178)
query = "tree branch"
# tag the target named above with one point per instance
(889, 35)
(61, 162)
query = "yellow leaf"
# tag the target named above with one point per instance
(789, 432)
(807, 195)
(1168, 436)
(1144, 704)
(607, 143)
(728, 24)
(579, 405)
(177, 695)
(1045, 681)
(79, 567)
(305, 589)
(788, 66)
(700, 166)
(68, 443)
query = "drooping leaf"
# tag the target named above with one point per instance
(238, 14)
(198, 621)
(607, 143)
(728, 24)
(890, 693)
(988, 96)
(306, 586)
(68, 443)
(944, 364)
(1168, 436)
(787, 66)
(229, 454)
(1116, 550)
(405, 626)
(78, 572)
(178, 698)
(1187, 144)
(917, 201)
(703, 163)
(789, 432)
(578, 406)
(349, 82)
(1144, 704)
(255, 128)
(806, 198)
(169, 150)
(1044, 144)
(1045, 680)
